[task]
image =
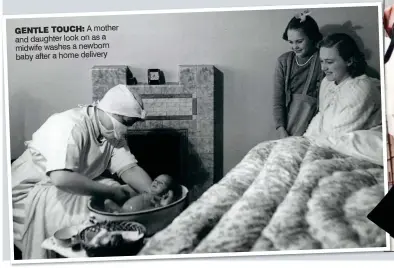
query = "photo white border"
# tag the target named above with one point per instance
(197, 10)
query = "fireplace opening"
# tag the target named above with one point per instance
(160, 151)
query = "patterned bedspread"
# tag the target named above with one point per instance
(284, 195)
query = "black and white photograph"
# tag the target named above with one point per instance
(196, 133)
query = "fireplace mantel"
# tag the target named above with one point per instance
(194, 103)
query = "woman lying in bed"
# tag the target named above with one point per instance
(348, 100)
(350, 117)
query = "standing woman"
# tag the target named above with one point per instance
(297, 77)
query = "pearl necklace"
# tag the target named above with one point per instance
(305, 62)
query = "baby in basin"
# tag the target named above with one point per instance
(161, 194)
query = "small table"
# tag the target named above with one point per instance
(66, 252)
(51, 244)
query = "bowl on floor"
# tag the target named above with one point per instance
(123, 238)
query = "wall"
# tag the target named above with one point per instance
(242, 45)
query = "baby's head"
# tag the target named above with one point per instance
(161, 184)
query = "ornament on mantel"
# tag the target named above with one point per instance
(155, 77)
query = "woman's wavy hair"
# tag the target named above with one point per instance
(308, 26)
(348, 50)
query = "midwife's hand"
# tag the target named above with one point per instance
(282, 133)
(111, 206)
(120, 195)
(131, 191)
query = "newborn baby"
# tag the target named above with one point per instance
(160, 194)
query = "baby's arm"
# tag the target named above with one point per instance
(137, 203)
(167, 198)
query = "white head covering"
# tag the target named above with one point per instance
(122, 101)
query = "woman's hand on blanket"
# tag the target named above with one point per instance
(282, 132)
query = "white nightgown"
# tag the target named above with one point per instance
(354, 104)
(67, 140)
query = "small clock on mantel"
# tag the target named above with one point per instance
(154, 76)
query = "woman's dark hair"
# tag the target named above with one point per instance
(308, 26)
(348, 50)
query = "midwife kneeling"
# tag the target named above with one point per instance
(61, 168)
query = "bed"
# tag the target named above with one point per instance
(291, 194)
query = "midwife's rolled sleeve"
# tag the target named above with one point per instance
(64, 149)
(122, 159)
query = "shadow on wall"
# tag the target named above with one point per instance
(17, 123)
(351, 30)
(25, 111)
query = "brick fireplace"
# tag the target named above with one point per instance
(183, 133)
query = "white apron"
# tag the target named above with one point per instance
(66, 140)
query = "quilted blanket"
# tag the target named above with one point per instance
(288, 194)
